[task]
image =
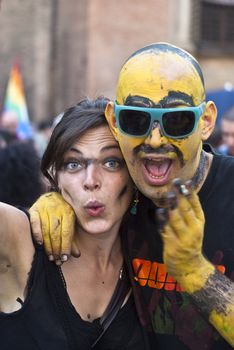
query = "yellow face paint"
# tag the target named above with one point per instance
(155, 76)
(159, 79)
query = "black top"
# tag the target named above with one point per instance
(48, 320)
(37, 324)
(160, 302)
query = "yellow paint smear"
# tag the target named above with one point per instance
(154, 75)
(224, 323)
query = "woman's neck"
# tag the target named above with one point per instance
(101, 249)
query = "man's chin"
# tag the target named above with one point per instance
(155, 193)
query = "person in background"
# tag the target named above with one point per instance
(21, 182)
(9, 122)
(215, 139)
(227, 133)
(6, 138)
(41, 136)
(183, 276)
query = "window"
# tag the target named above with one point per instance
(213, 27)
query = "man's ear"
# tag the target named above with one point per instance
(208, 120)
(110, 117)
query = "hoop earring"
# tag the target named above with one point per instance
(135, 201)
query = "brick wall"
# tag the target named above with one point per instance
(116, 29)
(70, 49)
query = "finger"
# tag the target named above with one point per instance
(190, 207)
(67, 234)
(168, 236)
(45, 226)
(186, 210)
(185, 198)
(177, 223)
(182, 188)
(55, 231)
(196, 206)
(176, 186)
(36, 225)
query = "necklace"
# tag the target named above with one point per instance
(62, 277)
(201, 170)
(121, 274)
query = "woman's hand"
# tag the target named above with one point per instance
(53, 222)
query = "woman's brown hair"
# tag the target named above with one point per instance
(76, 120)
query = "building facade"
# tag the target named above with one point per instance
(71, 49)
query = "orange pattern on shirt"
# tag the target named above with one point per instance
(154, 275)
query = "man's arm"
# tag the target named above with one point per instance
(53, 223)
(211, 292)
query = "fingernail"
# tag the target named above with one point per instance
(183, 190)
(64, 257)
(58, 262)
(51, 258)
(177, 183)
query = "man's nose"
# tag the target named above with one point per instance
(156, 138)
(92, 180)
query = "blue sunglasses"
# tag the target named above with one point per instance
(175, 123)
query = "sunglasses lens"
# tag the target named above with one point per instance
(178, 124)
(134, 123)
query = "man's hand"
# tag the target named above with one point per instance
(53, 222)
(182, 230)
(182, 236)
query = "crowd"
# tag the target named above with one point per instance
(21, 181)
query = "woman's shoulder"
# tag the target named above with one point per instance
(15, 228)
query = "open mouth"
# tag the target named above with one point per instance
(157, 170)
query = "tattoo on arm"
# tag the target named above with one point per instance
(216, 302)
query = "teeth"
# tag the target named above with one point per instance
(155, 160)
(156, 177)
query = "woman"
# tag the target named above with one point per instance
(86, 303)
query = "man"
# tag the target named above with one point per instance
(160, 119)
(227, 133)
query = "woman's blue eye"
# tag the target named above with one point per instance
(72, 165)
(112, 163)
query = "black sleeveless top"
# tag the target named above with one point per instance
(48, 320)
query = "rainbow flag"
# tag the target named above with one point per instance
(15, 103)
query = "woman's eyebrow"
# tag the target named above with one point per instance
(75, 150)
(107, 148)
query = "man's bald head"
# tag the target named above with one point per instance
(160, 72)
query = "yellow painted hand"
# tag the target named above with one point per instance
(182, 237)
(53, 222)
